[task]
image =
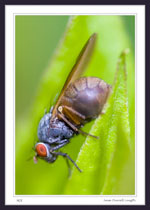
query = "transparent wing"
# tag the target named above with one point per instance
(78, 68)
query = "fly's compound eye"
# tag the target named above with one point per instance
(41, 150)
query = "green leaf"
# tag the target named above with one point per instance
(105, 162)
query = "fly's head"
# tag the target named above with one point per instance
(43, 151)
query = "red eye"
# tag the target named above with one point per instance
(41, 150)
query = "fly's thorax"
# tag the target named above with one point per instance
(44, 127)
(52, 131)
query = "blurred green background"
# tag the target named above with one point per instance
(36, 40)
(37, 37)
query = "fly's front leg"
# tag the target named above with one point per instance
(51, 140)
(65, 155)
(62, 143)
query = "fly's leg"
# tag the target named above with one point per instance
(66, 141)
(65, 155)
(52, 141)
(74, 127)
(51, 109)
(69, 168)
(56, 141)
(61, 144)
(71, 114)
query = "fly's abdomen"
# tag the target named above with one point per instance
(87, 96)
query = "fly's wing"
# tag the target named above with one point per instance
(78, 68)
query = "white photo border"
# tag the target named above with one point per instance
(10, 12)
